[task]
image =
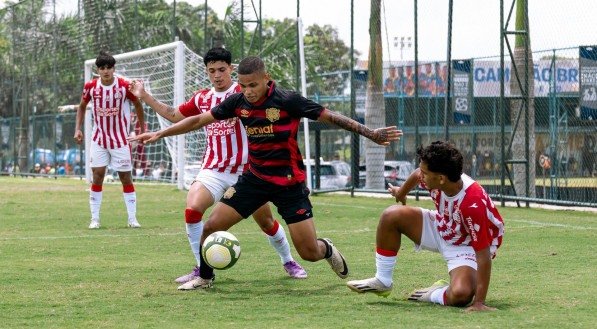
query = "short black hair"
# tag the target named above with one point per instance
(105, 59)
(250, 65)
(442, 157)
(217, 54)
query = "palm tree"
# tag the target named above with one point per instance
(375, 116)
(518, 117)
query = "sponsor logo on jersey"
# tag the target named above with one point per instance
(117, 95)
(272, 114)
(107, 111)
(244, 113)
(229, 192)
(260, 131)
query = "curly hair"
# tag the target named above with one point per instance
(442, 157)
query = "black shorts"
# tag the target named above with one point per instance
(251, 192)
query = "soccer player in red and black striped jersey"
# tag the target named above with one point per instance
(465, 228)
(225, 158)
(110, 99)
(276, 174)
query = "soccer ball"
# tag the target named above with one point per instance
(221, 250)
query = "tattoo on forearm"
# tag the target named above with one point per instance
(169, 110)
(351, 125)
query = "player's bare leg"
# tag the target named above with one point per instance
(312, 249)
(277, 239)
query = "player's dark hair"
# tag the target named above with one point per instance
(105, 59)
(442, 157)
(250, 65)
(217, 54)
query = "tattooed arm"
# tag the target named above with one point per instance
(168, 112)
(381, 136)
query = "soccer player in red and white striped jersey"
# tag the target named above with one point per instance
(224, 161)
(110, 99)
(466, 228)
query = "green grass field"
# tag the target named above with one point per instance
(56, 273)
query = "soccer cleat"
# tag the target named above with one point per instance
(95, 223)
(424, 295)
(133, 223)
(197, 283)
(295, 270)
(370, 285)
(336, 260)
(188, 277)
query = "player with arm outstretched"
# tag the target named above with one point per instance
(110, 99)
(225, 158)
(276, 174)
(466, 228)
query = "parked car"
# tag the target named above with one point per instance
(395, 172)
(332, 175)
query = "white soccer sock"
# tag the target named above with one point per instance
(280, 243)
(385, 268)
(95, 203)
(438, 296)
(130, 200)
(194, 232)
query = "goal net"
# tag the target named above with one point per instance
(171, 73)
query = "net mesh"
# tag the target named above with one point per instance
(158, 68)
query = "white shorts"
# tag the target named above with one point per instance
(216, 182)
(119, 159)
(455, 256)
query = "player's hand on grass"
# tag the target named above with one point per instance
(145, 138)
(383, 136)
(479, 307)
(395, 192)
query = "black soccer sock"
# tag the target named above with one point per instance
(205, 271)
(328, 249)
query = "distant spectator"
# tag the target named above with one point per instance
(36, 169)
(158, 172)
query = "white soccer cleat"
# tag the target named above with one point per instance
(197, 283)
(133, 223)
(336, 260)
(370, 285)
(424, 295)
(95, 223)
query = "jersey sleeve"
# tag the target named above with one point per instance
(189, 108)
(86, 94)
(227, 109)
(301, 107)
(474, 211)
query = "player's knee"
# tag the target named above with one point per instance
(391, 215)
(310, 253)
(460, 295)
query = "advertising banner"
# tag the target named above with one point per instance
(588, 82)
(461, 91)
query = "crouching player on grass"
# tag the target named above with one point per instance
(465, 228)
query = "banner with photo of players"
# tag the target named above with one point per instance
(588, 82)
(462, 91)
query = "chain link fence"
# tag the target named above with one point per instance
(44, 44)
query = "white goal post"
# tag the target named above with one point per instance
(172, 73)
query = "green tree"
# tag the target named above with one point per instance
(519, 120)
(375, 116)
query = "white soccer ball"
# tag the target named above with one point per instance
(221, 250)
